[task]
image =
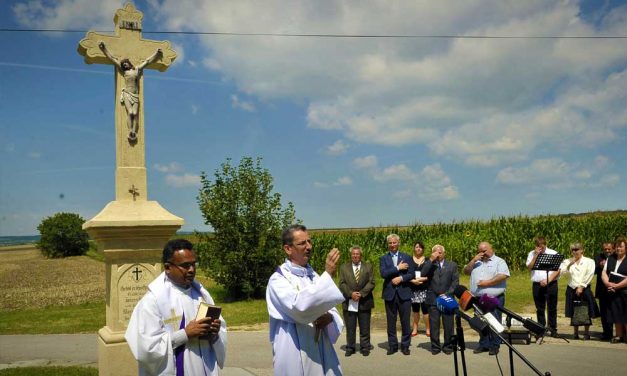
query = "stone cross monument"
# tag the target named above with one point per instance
(131, 230)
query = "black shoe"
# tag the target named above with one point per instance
(435, 352)
(494, 351)
(405, 351)
(554, 333)
(392, 351)
(576, 336)
(349, 352)
(365, 352)
(586, 337)
(447, 351)
(480, 350)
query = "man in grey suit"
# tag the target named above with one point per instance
(356, 284)
(444, 277)
(397, 269)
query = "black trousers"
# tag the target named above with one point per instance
(434, 327)
(351, 319)
(545, 299)
(608, 328)
(403, 309)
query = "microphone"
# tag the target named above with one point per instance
(446, 304)
(536, 328)
(488, 302)
(467, 300)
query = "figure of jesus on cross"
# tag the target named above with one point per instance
(130, 92)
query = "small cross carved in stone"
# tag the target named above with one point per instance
(136, 272)
(134, 192)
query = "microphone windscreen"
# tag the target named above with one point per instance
(488, 303)
(466, 300)
(459, 290)
(446, 304)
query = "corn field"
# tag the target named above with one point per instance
(511, 237)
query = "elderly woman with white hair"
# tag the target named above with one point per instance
(578, 293)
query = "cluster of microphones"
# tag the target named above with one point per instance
(483, 319)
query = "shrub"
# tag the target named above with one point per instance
(247, 219)
(62, 235)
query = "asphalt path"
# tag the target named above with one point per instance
(249, 353)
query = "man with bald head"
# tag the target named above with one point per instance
(488, 276)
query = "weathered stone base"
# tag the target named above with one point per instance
(114, 356)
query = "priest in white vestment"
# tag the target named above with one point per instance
(304, 323)
(163, 334)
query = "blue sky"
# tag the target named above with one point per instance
(355, 131)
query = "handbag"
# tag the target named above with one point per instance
(581, 315)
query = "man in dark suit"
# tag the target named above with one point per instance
(356, 284)
(444, 277)
(397, 269)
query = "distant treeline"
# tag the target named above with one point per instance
(511, 237)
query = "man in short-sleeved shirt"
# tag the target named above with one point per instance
(488, 276)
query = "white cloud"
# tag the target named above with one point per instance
(430, 183)
(182, 181)
(242, 105)
(67, 14)
(398, 172)
(194, 109)
(342, 181)
(367, 162)
(337, 148)
(481, 102)
(555, 173)
(172, 167)
(34, 155)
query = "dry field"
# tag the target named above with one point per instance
(29, 280)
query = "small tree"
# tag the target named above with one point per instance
(62, 235)
(247, 219)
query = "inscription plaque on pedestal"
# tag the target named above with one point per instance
(132, 285)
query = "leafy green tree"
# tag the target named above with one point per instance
(62, 235)
(247, 219)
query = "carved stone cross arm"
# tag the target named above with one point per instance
(138, 51)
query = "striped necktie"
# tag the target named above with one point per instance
(356, 274)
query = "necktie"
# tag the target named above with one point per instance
(356, 274)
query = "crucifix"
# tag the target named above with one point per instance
(130, 54)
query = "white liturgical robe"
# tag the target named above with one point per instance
(155, 331)
(297, 296)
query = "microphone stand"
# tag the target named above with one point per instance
(459, 342)
(521, 356)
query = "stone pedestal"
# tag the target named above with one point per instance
(131, 234)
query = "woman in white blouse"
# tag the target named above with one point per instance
(581, 271)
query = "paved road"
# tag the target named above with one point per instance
(249, 353)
